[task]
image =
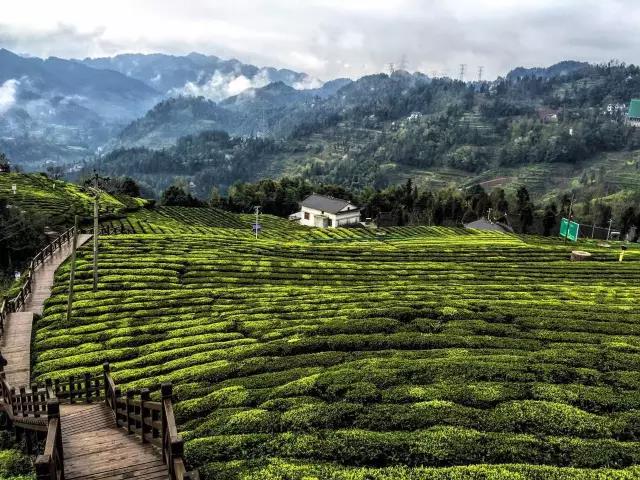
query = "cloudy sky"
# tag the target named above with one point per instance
(332, 38)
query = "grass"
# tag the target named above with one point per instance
(404, 353)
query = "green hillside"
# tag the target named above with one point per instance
(403, 353)
(58, 200)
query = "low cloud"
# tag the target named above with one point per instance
(8, 91)
(221, 86)
(308, 83)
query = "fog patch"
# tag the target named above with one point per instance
(8, 92)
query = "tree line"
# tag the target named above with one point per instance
(407, 204)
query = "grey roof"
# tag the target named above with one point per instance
(326, 204)
(484, 224)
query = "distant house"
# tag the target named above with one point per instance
(547, 115)
(486, 225)
(633, 115)
(322, 211)
(5, 167)
(615, 108)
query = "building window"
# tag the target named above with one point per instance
(330, 223)
(306, 215)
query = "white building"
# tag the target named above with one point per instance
(321, 211)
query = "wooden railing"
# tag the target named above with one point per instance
(23, 403)
(36, 411)
(15, 304)
(50, 465)
(153, 422)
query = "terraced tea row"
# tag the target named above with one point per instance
(212, 221)
(59, 201)
(418, 355)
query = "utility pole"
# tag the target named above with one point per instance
(257, 225)
(72, 274)
(95, 233)
(573, 196)
(463, 68)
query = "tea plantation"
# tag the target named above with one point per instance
(404, 353)
(58, 200)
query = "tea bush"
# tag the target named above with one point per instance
(403, 353)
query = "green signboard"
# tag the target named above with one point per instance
(569, 229)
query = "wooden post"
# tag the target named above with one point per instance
(129, 408)
(53, 411)
(71, 388)
(14, 401)
(72, 275)
(34, 400)
(23, 407)
(87, 386)
(95, 243)
(106, 369)
(166, 390)
(145, 396)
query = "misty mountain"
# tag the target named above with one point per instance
(277, 109)
(254, 112)
(60, 111)
(560, 69)
(176, 117)
(110, 94)
(198, 75)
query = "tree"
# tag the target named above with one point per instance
(20, 235)
(524, 208)
(4, 163)
(603, 214)
(55, 171)
(628, 218)
(215, 200)
(129, 187)
(549, 219)
(499, 201)
(176, 196)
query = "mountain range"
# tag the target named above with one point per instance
(63, 110)
(213, 122)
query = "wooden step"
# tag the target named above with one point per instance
(95, 449)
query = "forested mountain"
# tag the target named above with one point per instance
(57, 111)
(548, 128)
(264, 111)
(558, 70)
(550, 134)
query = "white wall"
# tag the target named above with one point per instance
(340, 220)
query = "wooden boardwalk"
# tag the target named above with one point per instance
(95, 449)
(16, 338)
(83, 440)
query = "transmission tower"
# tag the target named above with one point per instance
(463, 68)
(480, 71)
(392, 68)
(403, 62)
